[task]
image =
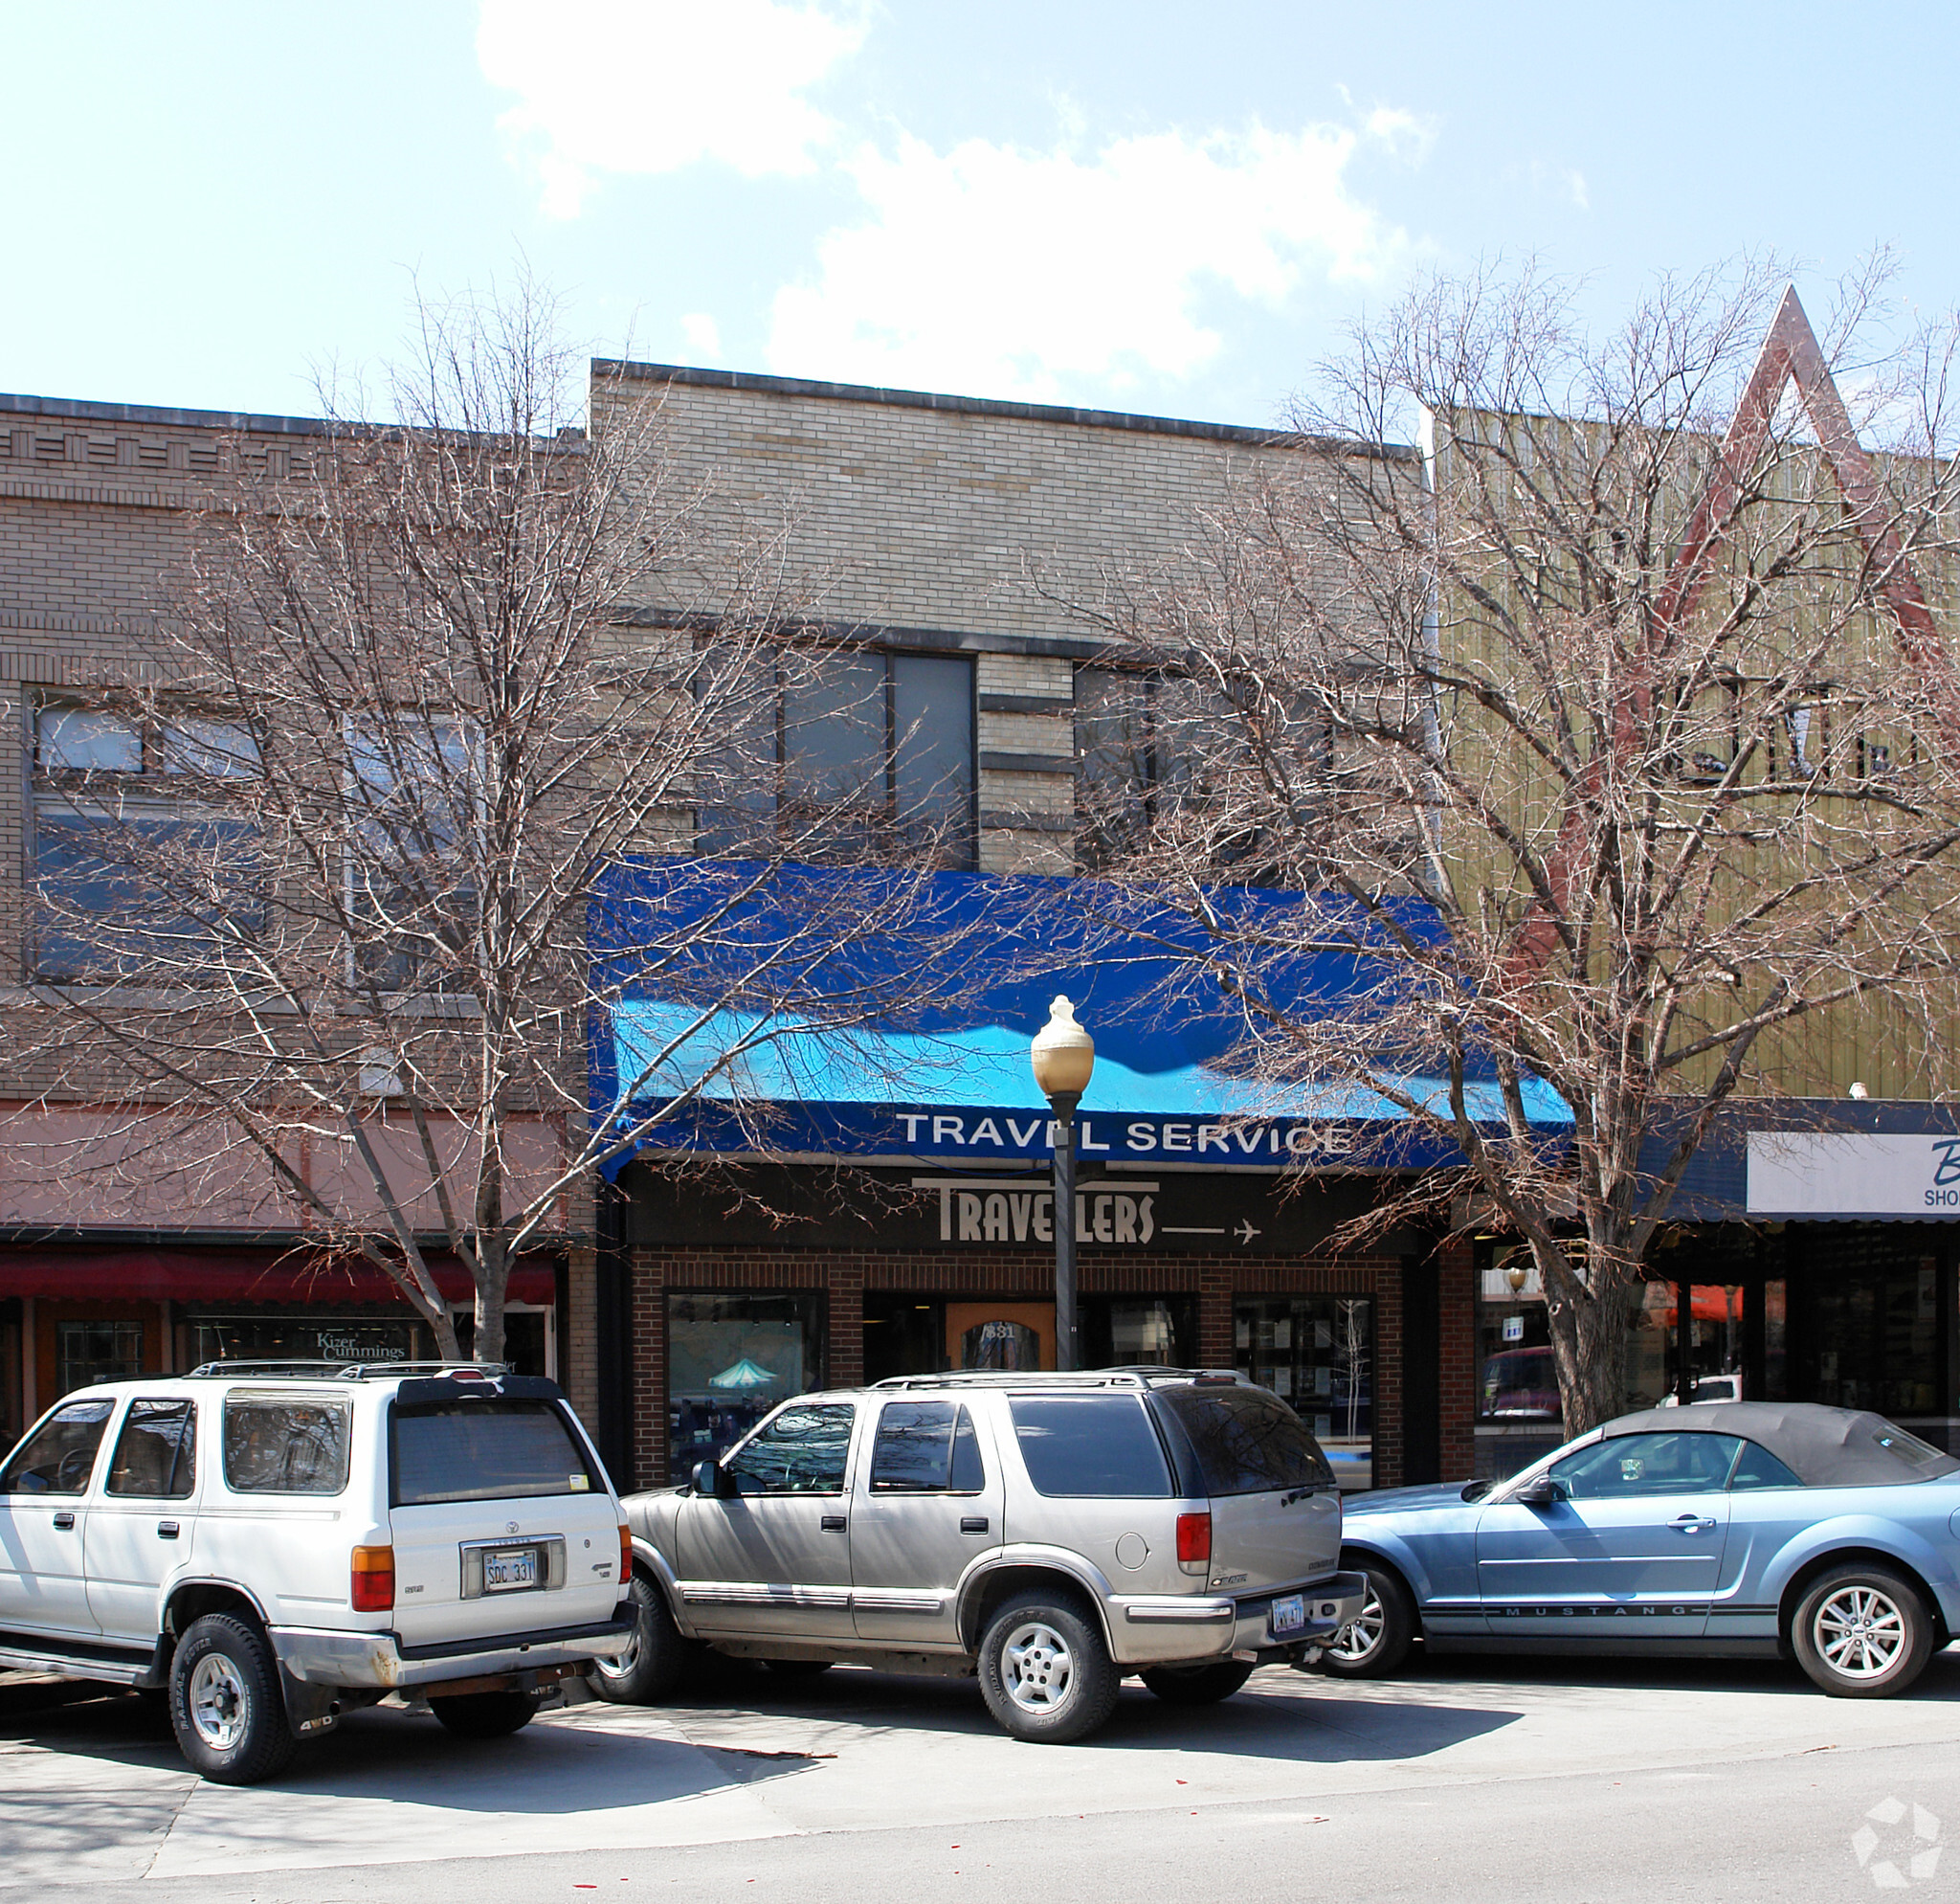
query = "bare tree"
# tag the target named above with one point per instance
(328, 859)
(1608, 734)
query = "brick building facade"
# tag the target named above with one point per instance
(977, 537)
(955, 538)
(109, 1265)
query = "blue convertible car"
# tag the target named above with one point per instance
(1728, 1528)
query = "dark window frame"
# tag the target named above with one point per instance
(336, 1405)
(68, 801)
(183, 1448)
(887, 825)
(730, 1465)
(594, 1474)
(1062, 1400)
(962, 1432)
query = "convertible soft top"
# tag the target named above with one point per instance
(1823, 1448)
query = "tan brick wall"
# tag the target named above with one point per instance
(936, 517)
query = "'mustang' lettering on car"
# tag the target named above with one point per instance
(1614, 1610)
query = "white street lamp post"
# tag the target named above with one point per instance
(1063, 1055)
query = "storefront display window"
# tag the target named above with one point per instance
(903, 1335)
(1737, 1345)
(1317, 1352)
(289, 1336)
(730, 1358)
(91, 1352)
(527, 1339)
(1874, 1327)
(1132, 1332)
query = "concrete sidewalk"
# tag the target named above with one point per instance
(91, 1794)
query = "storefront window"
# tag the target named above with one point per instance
(1317, 1352)
(283, 1336)
(1132, 1332)
(1517, 1382)
(527, 1344)
(1736, 1349)
(730, 1358)
(1873, 1326)
(1650, 1345)
(89, 1352)
(903, 1335)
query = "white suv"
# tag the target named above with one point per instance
(274, 1545)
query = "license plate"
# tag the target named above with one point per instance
(506, 1570)
(1289, 1615)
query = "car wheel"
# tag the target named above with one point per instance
(799, 1669)
(655, 1659)
(1198, 1684)
(1863, 1632)
(486, 1714)
(1377, 1640)
(1045, 1672)
(226, 1706)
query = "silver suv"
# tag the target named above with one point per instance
(1050, 1532)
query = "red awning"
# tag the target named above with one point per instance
(199, 1275)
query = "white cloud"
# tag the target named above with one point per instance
(652, 85)
(703, 336)
(1407, 134)
(1002, 270)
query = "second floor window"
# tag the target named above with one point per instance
(416, 800)
(859, 756)
(140, 856)
(1116, 742)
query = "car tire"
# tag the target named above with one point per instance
(656, 1658)
(1376, 1641)
(797, 1669)
(486, 1714)
(1045, 1672)
(226, 1706)
(1198, 1684)
(1861, 1632)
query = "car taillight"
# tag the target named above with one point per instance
(625, 1554)
(1194, 1539)
(371, 1581)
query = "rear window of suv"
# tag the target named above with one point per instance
(1247, 1442)
(1089, 1444)
(484, 1450)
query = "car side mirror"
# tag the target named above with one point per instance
(1543, 1492)
(1475, 1491)
(712, 1480)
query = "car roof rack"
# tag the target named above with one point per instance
(1142, 1375)
(299, 1369)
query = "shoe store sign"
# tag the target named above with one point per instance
(1853, 1174)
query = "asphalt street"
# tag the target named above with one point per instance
(1469, 1780)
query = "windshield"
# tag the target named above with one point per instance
(1247, 1442)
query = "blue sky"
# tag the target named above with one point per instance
(1169, 208)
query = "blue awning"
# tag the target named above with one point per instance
(912, 1039)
